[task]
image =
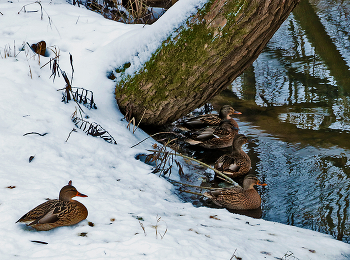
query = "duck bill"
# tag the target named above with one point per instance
(237, 113)
(261, 184)
(80, 194)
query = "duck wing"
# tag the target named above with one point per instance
(235, 198)
(203, 120)
(227, 163)
(221, 196)
(224, 130)
(203, 134)
(38, 212)
(53, 214)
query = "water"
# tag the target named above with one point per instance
(295, 101)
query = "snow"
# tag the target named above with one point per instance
(135, 213)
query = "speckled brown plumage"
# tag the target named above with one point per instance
(211, 119)
(215, 137)
(57, 212)
(237, 197)
(237, 163)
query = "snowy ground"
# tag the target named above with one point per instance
(134, 212)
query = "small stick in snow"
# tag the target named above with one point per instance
(35, 133)
(39, 242)
(73, 130)
(143, 228)
(234, 256)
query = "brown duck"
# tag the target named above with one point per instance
(237, 163)
(56, 213)
(237, 197)
(211, 119)
(214, 137)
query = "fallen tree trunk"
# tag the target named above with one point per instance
(202, 59)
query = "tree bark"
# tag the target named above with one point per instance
(219, 43)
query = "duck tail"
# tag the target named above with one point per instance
(208, 195)
(192, 142)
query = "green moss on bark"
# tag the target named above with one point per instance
(167, 74)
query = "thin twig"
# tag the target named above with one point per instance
(143, 228)
(193, 186)
(234, 255)
(156, 227)
(35, 133)
(71, 63)
(152, 136)
(134, 129)
(49, 61)
(192, 192)
(36, 2)
(73, 130)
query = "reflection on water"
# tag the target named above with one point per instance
(295, 101)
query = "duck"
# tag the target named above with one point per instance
(237, 163)
(214, 137)
(238, 198)
(211, 119)
(57, 212)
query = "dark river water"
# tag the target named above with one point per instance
(295, 104)
(295, 101)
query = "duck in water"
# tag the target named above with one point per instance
(214, 137)
(237, 163)
(238, 198)
(211, 119)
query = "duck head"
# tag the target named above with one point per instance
(69, 191)
(250, 181)
(226, 111)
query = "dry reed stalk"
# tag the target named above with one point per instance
(225, 178)
(156, 228)
(143, 228)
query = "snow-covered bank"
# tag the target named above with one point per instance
(127, 204)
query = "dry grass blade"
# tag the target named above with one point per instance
(153, 136)
(7, 52)
(36, 2)
(235, 257)
(225, 178)
(73, 130)
(132, 121)
(79, 95)
(192, 192)
(126, 11)
(161, 154)
(192, 186)
(181, 172)
(54, 67)
(289, 255)
(143, 228)
(71, 63)
(156, 228)
(35, 133)
(93, 129)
